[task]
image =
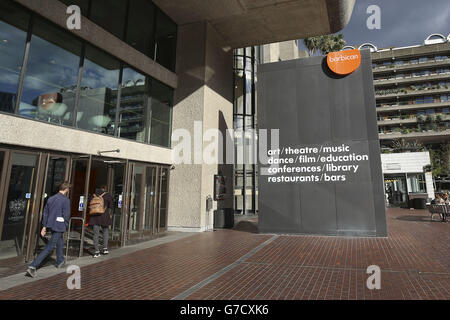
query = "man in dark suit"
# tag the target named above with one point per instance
(56, 217)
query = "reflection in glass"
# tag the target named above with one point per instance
(18, 205)
(238, 93)
(117, 193)
(150, 198)
(161, 109)
(248, 93)
(133, 105)
(136, 194)
(98, 96)
(166, 41)
(13, 27)
(163, 198)
(110, 15)
(51, 76)
(140, 28)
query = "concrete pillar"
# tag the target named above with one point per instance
(204, 94)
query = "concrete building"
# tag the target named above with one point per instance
(412, 87)
(98, 104)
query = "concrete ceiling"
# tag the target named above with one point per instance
(244, 23)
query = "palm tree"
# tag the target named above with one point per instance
(332, 43)
(313, 44)
(325, 44)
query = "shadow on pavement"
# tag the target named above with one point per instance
(249, 226)
(417, 218)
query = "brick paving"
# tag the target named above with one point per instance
(414, 260)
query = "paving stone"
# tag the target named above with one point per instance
(414, 262)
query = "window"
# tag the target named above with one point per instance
(248, 93)
(239, 93)
(161, 103)
(166, 41)
(133, 111)
(13, 35)
(141, 26)
(428, 99)
(416, 183)
(110, 15)
(98, 95)
(52, 74)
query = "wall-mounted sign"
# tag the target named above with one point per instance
(119, 203)
(81, 204)
(344, 62)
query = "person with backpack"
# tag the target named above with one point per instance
(100, 208)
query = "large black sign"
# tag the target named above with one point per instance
(325, 175)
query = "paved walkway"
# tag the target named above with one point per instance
(241, 264)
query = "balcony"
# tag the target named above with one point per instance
(410, 66)
(411, 120)
(424, 136)
(397, 93)
(421, 106)
(411, 79)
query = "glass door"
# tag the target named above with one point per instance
(116, 180)
(137, 199)
(80, 173)
(151, 197)
(56, 172)
(163, 201)
(19, 203)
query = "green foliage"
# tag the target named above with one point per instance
(325, 44)
(403, 145)
(440, 160)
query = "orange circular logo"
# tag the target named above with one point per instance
(344, 62)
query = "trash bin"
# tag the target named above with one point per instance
(420, 203)
(224, 218)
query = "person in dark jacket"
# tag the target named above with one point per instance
(102, 221)
(56, 218)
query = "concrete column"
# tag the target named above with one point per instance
(204, 94)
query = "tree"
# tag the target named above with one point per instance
(440, 160)
(325, 44)
(332, 43)
(313, 44)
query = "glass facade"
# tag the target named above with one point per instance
(69, 82)
(97, 103)
(13, 34)
(139, 23)
(246, 61)
(51, 71)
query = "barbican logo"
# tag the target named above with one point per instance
(344, 62)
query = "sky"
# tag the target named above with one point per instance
(403, 22)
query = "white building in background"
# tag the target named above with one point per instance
(405, 177)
